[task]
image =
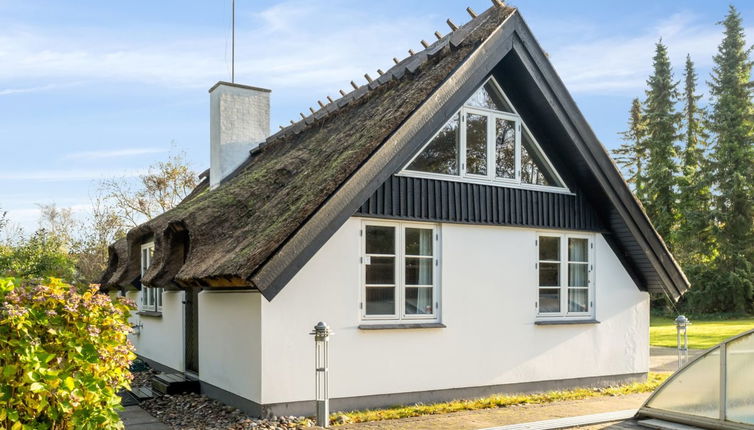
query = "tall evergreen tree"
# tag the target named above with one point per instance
(662, 122)
(694, 241)
(733, 168)
(631, 156)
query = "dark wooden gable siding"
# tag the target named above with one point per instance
(436, 200)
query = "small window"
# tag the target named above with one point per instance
(400, 271)
(486, 142)
(505, 148)
(564, 267)
(476, 144)
(151, 297)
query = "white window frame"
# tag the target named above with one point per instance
(151, 297)
(400, 316)
(490, 178)
(564, 287)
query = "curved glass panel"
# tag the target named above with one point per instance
(740, 380)
(717, 389)
(693, 391)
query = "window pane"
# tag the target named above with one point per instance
(442, 153)
(505, 149)
(419, 241)
(578, 275)
(741, 380)
(577, 249)
(549, 248)
(549, 274)
(534, 169)
(487, 97)
(381, 271)
(418, 301)
(549, 300)
(158, 296)
(476, 144)
(418, 271)
(380, 240)
(695, 390)
(380, 301)
(578, 300)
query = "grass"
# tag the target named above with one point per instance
(500, 401)
(702, 334)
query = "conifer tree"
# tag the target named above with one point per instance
(733, 170)
(662, 122)
(694, 242)
(632, 154)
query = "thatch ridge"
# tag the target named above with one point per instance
(230, 232)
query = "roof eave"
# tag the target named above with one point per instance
(534, 58)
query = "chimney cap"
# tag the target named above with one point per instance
(245, 87)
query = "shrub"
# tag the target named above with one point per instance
(64, 356)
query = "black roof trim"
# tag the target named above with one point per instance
(525, 45)
(512, 35)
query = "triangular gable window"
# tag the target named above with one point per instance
(486, 141)
(488, 97)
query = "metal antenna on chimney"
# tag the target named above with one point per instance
(233, 42)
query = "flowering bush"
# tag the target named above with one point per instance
(64, 356)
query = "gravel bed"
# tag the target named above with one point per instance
(198, 412)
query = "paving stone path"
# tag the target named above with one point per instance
(136, 418)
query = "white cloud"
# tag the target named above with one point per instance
(67, 175)
(621, 64)
(10, 91)
(116, 153)
(294, 44)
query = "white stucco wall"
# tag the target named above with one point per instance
(230, 341)
(488, 292)
(262, 351)
(161, 338)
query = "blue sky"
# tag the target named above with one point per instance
(90, 89)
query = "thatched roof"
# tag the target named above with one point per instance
(264, 222)
(228, 234)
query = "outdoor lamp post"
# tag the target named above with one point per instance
(681, 323)
(321, 334)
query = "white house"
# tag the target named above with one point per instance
(454, 220)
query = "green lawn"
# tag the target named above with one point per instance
(702, 334)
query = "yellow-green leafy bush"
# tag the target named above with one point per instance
(64, 356)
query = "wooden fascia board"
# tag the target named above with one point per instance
(594, 154)
(392, 155)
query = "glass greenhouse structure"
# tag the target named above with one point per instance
(714, 391)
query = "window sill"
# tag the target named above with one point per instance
(400, 326)
(152, 314)
(566, 322)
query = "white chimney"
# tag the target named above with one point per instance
(239, 122)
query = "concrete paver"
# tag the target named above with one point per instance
(621, 425)
(136, 418)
